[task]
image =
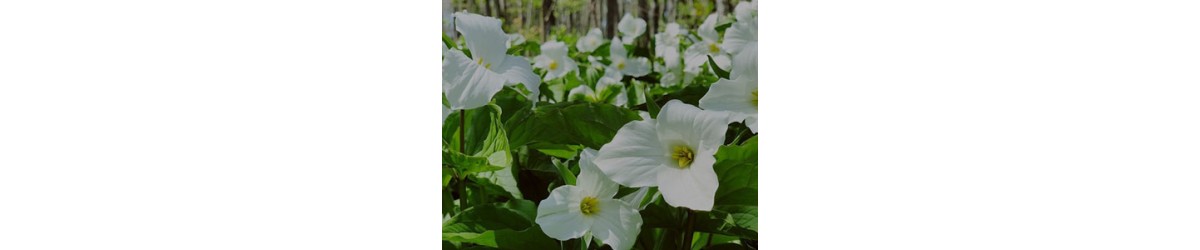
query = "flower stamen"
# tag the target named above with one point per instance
(553, 65)
(754, 98)
(683, 156)
(589, 205)
(712, 48)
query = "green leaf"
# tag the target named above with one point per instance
(532, 238)
(567, 175)
(737, 174)
(480, 219)
(573, 123)
(487, 238)
(466, 164)
(722, 27)
(557, 150)
(652, 105)
(449, 42)
(717, 70)
(485, 137)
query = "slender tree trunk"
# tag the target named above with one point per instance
(500, 11)
(547, 17)
(644, 8)
(487, 5)
(656, 17)
(610, 23)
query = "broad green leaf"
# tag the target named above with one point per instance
(737, 174)
(480, 219)
(532, 238)
(466, 164)
(557, 150)
(485, 137)
(487, 238)
(573, 123)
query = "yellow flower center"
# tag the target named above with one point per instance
(683, 156)
(712, 48)
(754, 98)
(621, 65)
(480, 62)
(589, 205)
(553, 65)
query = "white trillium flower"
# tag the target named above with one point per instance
(470, 82)
(630, 28)
(606, 86)
(514, 39)
(638, 66)
(709, 45)
(739, 94)
(746, 11)
(554, 60)
(674, 152)
(591, 41)
(572, 211)
(668, 40)
(744, 31)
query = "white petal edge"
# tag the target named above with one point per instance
(559, 215)
(633, 156)
(467, 84)
(591, 179)
(617, 224)
(694, 187)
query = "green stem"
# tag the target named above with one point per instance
(462, 147)
(690, 229)
(462, 131)
(462, 192)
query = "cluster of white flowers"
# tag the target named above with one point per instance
(674, 151)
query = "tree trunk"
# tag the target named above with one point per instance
(547, 17)
(487, 5)
(610, 23)
(500, 11)
(656, 18)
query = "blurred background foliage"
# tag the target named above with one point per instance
(539, 20)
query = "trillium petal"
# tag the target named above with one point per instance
(694, 187)
(467, 84)
(738, 36)
(445, 113)
(590, 42)
(581, 92)
(591, 180)
(559, 215)
(745, 64)
(745, 11)
(542, 62)
(633, 156)
(730, 95)
(616, 50)
(638, 66)
(554, 49)
(752, 122)
(708, 29)
(617, 224)
(680, 122)
(515, 70)
(484, 37)
(631, 27)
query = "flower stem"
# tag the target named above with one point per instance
(462, 147)
(462, 131)
(690, 229)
